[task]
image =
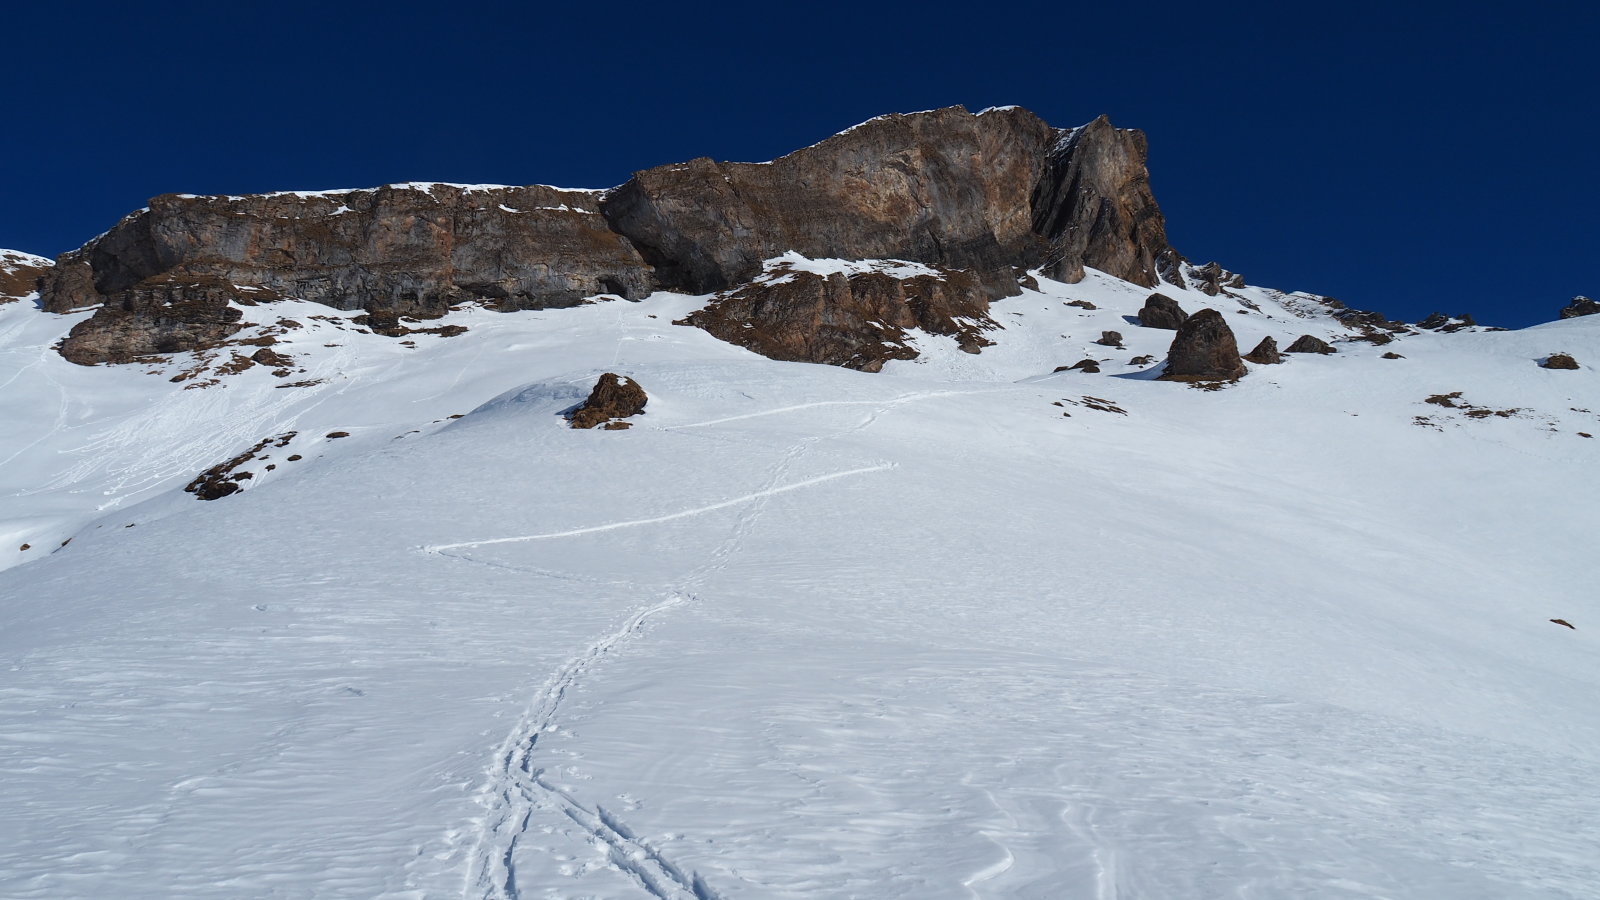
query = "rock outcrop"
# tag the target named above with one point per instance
(1265, 353)
(20, 273)
(159, 315)
(1094, 207)
(1088, 366)
(856, 315)
(1204, 350)
(1560, 361)
(1306, 343)
(1111, 339)
(1580, 306)
(1161, 311)
(1438, 321)
(990, 194)
(1212, 279)
(615, 397)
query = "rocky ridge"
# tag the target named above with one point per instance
(982, 194)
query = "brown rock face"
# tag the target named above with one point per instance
(1204, 350)
(1094, 207)
(945, 187)
(1111, 339)
(1559, 361)
(989, 193)
(1305, 343)
(1580, 306)
(614, 397)
(1161, 311)
(20, 273)
(858, 321)
(1265, 353)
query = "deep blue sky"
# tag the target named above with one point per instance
(1401, 157)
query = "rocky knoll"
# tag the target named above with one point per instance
(856, 315)
(986, 193)
(19, 273)
(1580, 306)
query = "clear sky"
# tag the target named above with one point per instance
(1402, 157)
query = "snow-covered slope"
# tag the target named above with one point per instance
(970, 627)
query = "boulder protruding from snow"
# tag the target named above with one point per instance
(1161, 311)
(1111, 339)
(1449, 324)
(1306, 343)
(614, 397)
(1204, 350)
(1265, 354)
(1091, 366)
(1560, 361)
(1580, 306)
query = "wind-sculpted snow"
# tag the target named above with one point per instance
(970, 627)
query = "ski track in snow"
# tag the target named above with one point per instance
(516, 788)
(681, 514)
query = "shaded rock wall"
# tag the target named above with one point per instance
(1094, 207)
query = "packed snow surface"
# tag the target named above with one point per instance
(968, 628)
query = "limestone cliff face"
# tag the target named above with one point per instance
(982, 193)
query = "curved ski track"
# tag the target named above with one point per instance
(516, 788)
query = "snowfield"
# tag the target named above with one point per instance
(967, 628)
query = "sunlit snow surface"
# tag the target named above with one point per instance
(803, 632)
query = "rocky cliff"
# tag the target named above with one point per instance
(984, 194)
